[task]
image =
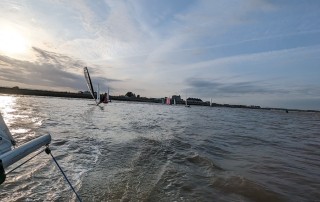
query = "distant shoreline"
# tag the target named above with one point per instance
(21, 91)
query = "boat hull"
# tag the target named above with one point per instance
(15, 155)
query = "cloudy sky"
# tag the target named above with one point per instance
(253, 52)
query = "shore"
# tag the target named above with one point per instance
(21, 91)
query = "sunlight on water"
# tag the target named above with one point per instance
(7, 108)
(153, 152)
(19, 130)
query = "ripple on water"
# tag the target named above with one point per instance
(143, 152)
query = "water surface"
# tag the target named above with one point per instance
(152, 152)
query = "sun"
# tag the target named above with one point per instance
(12, 42)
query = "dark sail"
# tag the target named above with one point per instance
(89, 83)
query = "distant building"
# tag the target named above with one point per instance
(168, 101)
(194, 99)
(177, 98)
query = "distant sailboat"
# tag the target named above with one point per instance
(89, 84)
(98, 94)
(174, 101)
(187, 103)
(106, 97)
(211, 102)
(10, 155)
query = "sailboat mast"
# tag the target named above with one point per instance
(98, 93)
(89, 83)
(108, 97)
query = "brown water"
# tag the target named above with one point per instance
(154, 152)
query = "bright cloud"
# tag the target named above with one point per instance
(256, 52)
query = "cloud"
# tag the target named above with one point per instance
(268, 93)
(49, 71)
(205, 87)
(161, 47)
(62, 61)
(114, 31)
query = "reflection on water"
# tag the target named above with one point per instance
(154, 152)
(7, 108)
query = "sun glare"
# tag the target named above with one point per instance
(12, 42)
(7, 107)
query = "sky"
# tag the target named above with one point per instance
(251, 52)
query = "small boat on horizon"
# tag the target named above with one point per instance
(106, 97)
(187, 103)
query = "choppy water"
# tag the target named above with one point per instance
(153, 152)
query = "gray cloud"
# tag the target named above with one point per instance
(204, 87)
(50, 70)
